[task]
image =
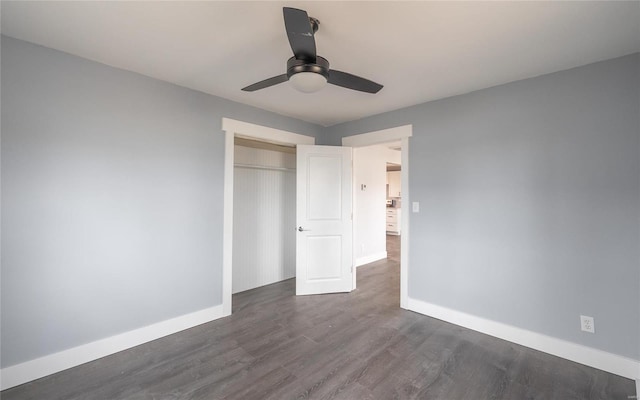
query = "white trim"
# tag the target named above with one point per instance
(30, 370)
(231, 129)
(404, 223)
(264, 133)
(638, 385)
(227, 223)
(370, 258)
(354, 201)
(595, 358)
(379, 137)
(402, 133)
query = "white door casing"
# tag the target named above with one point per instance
(323, 208)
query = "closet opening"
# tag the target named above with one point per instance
(264, 213)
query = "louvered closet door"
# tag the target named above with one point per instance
(264, 218)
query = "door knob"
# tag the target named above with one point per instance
(301, 229)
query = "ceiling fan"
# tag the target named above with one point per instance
(307, 71)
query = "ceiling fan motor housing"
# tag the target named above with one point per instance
(321, 66)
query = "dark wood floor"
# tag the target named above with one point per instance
(346, 346)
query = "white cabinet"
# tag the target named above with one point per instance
(393, 179)
(393, 221)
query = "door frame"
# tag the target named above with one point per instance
(231, 129)
(402, 133)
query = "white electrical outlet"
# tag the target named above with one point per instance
(586, 324)
(415, 207)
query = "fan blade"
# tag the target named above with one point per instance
(300, 34)
(266, 83)
(354, 82)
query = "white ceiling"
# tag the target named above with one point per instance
(420, 51)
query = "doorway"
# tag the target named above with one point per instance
(375, 209)
(401, 134)
(264, 196)
(237, 129)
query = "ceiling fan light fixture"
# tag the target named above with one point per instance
(308, 82)
(307, 71)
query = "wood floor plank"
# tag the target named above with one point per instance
(359, 345)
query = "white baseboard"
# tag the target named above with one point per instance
(371, 258)
(589, 356)
(30, 370)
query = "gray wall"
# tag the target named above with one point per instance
(530, 202)
(112, 189)
(112, 212)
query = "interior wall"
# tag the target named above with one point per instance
(529, 201)
(394, 157)
(264, 217)
(112, 187)
(370, 166)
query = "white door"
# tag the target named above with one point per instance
(324, 238)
